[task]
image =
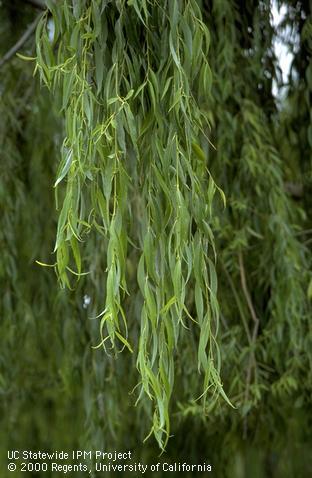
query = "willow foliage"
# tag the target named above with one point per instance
(259, 207)
(159, 104)
(133, 168)
(264, 267)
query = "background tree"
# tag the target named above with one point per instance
(156, 106)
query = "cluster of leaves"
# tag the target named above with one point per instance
(138, 225)
(133, 169)
(295, 129)
(264, 266)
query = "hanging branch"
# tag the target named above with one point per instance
(21, 41)
(247, 295)
(252, 359)
(132, 106)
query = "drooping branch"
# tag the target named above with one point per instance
(10, 53)
(247, 295)
(252, 358)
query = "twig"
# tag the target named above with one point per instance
(246, 291)
(252, 358)
(9, 54)
(237, 302)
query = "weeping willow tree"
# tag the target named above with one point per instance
(149, 164)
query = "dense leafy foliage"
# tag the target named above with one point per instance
(146, 117)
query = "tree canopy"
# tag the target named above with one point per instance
(147, 162)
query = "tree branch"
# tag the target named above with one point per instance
(252, 358)
(21, 41)
(246, 292)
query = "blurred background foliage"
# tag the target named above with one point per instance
(59, 393)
